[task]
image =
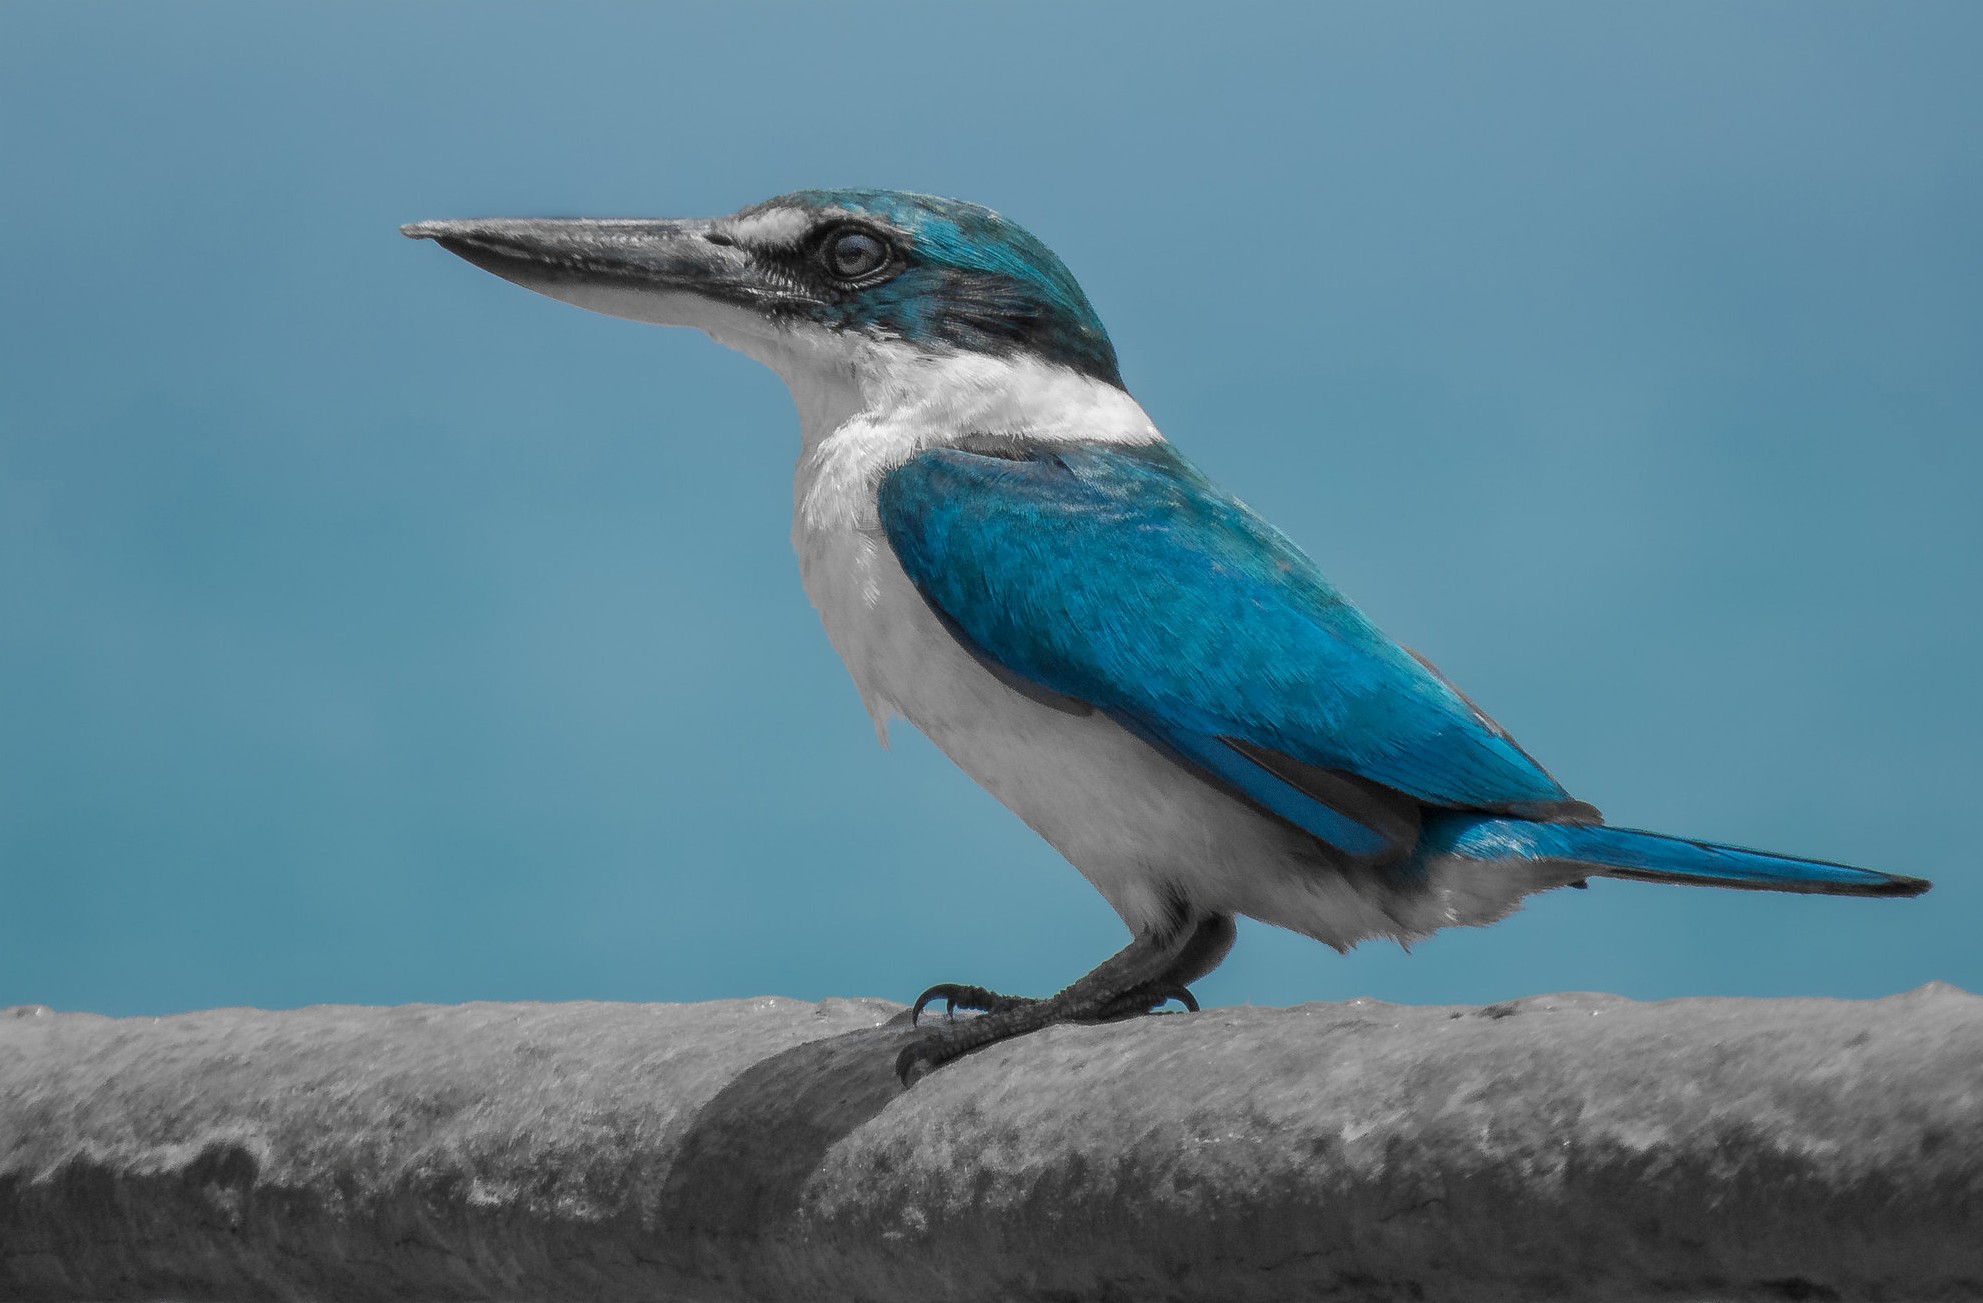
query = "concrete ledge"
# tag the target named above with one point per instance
(1570, 1146)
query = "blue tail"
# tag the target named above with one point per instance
(1649, 856)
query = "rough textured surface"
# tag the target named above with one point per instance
(1571, 1146)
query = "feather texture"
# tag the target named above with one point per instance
(1650, 857)
(1123, 578)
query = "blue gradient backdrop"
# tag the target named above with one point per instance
(371, 630)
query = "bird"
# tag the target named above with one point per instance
(1008, 555)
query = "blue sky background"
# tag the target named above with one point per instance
(372, 630)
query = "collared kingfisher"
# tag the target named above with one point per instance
(1007, 554)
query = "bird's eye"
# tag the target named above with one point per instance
(852, 253)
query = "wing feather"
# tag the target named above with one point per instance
(1121, 579)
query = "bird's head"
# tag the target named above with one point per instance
(816, 277)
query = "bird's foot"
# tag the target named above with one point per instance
(1130, 1004)
(1008, 1015)
(1148, 973)
(1147, 999)
(957, 996)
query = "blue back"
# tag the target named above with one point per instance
(1123, 578)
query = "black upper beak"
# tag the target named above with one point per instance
(676, 254)
(665, 271)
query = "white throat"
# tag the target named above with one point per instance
(866, 406)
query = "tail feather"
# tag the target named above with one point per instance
(1651, 857)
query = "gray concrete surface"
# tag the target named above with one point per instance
(1561, 1147)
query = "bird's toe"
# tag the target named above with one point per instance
(1147, 999)
(913, 1064)
(957, 996)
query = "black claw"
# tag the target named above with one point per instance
(916, 1014)
(912, 1065)
(1148, 999)
(957, 996)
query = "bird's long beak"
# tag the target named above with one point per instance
(671, 273)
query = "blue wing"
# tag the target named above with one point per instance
(1123, 580)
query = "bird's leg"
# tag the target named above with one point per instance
(1207, 949)
(1152, 968)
